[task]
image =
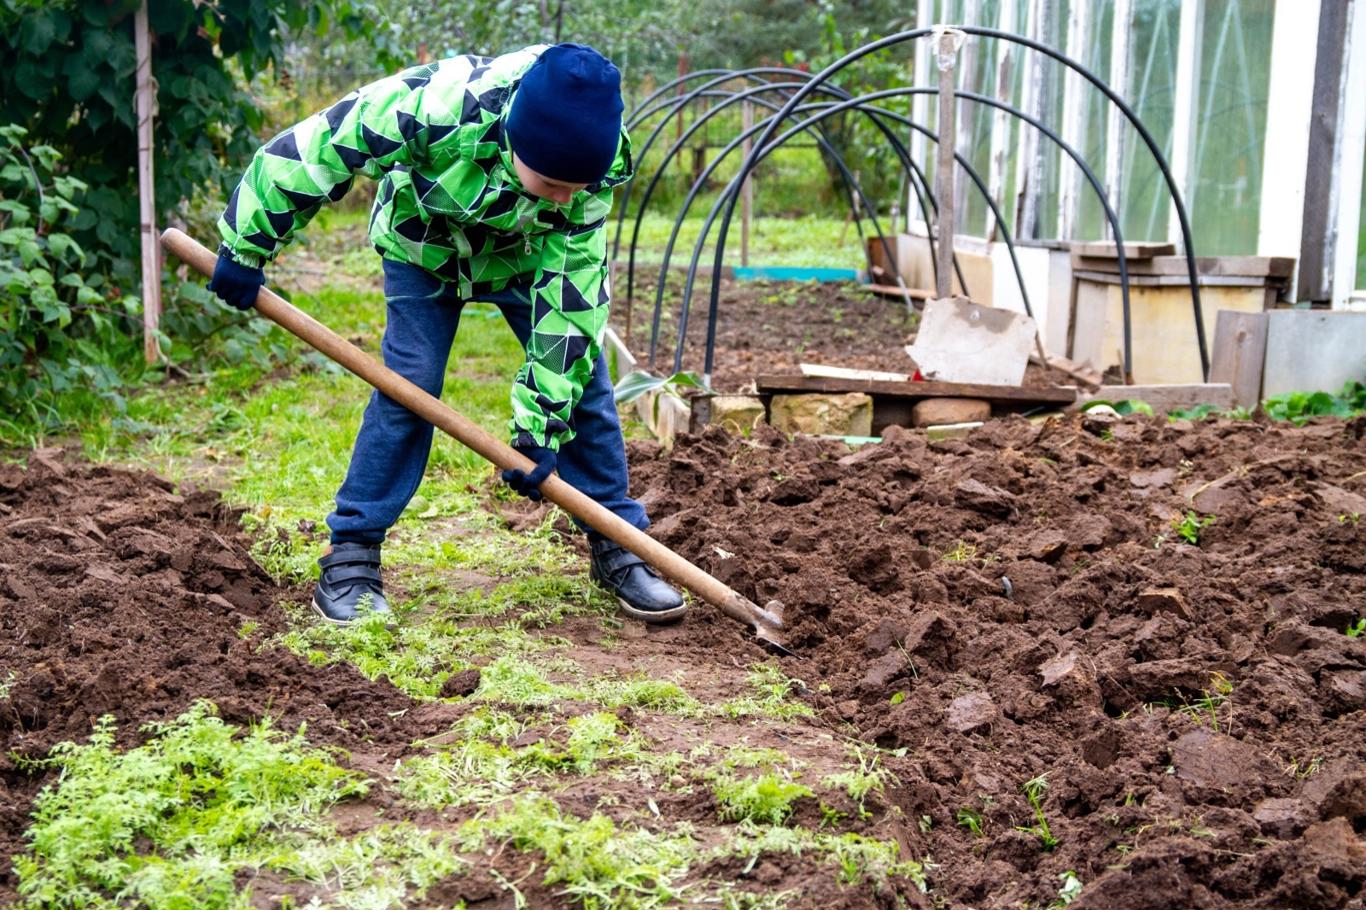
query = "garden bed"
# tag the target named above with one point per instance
(1118, 651)
(1065, 690)
(774, 326)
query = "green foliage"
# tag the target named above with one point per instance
(970, 819)
(61, 330)
(70, 77)
(772, 696)
(1297, 407)
(860, 782)
(860, 860)
(765, 799)
(74, 342)
(1300, 407)
(598, 864)
(1034, 790)
(1356, 629)
(638, 382)
(177, 816)
(480, 764)
(1190, 525)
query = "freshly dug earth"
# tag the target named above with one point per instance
(119, 596)
(773, 326)
(1018, 604)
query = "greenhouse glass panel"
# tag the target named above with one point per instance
(977, 117)
(1090, 222)
(1019, 68)
(1144, 202)
(1229, 125)
(1050, 186)
(1361, 233)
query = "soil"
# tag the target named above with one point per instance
(121, 596)
(773, 326)
(989, 610)
(1018, 603)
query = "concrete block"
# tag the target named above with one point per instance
(936, 411)
(850, 414)
(1313, 351)
(738, 414)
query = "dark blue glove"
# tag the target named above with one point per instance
(234, 283)
(528, 484)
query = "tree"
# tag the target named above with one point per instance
(69, 82)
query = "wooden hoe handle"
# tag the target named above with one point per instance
(767, 623)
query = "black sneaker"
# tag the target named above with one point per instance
(642, 594)
(349, 584)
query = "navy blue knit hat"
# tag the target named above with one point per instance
(565, 121)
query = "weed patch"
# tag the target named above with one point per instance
(594, 861)
(200, 802)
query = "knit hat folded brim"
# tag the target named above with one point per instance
(565, 120)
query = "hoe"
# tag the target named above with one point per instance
(766, 622)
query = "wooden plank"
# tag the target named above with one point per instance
(945, 59)
(1239, 354)
(821, 369)
(770, 383)
(889, 290)
(1175, 281)
(145, 103)
(1168, 397)
(1212, 266)
(1133, 250)
(1080, 372)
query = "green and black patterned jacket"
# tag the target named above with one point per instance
(450, 202)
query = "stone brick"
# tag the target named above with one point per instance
(936, 411)
(738, 414)
(850, 414)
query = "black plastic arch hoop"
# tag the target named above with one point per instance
(730, 196)
(863, 101)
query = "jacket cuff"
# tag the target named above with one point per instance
(242, 257)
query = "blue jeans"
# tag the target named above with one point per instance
(393, 444)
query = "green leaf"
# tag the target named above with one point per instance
(37, 31)
(62, 246)
(638, 383)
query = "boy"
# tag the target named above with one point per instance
(496, 178)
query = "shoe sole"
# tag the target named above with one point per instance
(649, 617)
(317, 608)
(653, 617)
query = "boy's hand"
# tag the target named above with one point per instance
(528, 483)
(234, 283)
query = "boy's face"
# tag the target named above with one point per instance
(537, 185)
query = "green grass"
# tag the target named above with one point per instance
(593, 860)
(172, 823)
(766, 799)
(858, 859)
(865, 779)
(808, 241)
(771, 696)
(481, 765)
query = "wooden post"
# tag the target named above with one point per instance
(746, 191)
(151, 249)
(947, 42)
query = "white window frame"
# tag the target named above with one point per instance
(1348, 166)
